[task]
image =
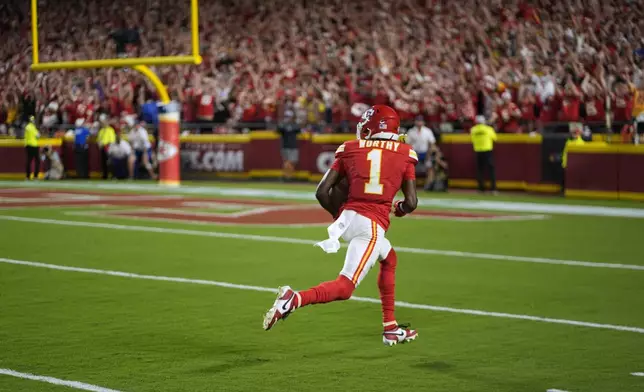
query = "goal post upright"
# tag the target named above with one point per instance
(34, 32)
(168, 143)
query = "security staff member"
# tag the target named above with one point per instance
(483, 137)
(289, 128)
(81, 149)
(575, 140)
(31, 148)
(106, 136)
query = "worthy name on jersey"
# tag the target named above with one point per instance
(384, 144)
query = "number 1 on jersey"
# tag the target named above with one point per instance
(374, 186)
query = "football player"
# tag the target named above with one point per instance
(375, 167)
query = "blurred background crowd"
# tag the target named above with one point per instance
(523, 64)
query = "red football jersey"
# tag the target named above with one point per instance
(205, 107)
(622, 108)
(569, 109)
(595, 109)
(375, 170)
(508, 121)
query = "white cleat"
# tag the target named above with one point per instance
(283, 306)
(399, 335)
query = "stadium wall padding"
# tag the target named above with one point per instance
(13, 157)
(600, 170)
(594, 169)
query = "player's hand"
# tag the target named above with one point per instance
(398, 209)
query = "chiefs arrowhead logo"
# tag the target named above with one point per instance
(167, 151)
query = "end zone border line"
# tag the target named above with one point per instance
(113, 213)
(257, 237)
(288, 240)
(56, 381)
(401, 304)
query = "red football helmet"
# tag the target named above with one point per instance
(379, 121)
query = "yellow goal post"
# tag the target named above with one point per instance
(140, 63)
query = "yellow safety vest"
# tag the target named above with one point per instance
(564, 157)
(31, 135)
(483, 137)
(106, 136)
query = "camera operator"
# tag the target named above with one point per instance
(437, 170)
(52, 160)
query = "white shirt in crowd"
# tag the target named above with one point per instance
(49, 120)
(119, 150)
(138, 138)
(420, 139)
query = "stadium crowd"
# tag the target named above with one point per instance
(521, 63)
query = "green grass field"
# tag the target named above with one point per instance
(509, 305)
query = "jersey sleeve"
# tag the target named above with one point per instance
(410, 168)
(340, 151)
(338, 166)
(410, 172)
(413, 157)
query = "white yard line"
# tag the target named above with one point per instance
(56, 381)
(638, 374)
(400, 304)
(288, 240)
(467, 204)
(501, 218)
(131, 215)
(251, 210)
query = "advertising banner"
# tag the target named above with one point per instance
(205, 159)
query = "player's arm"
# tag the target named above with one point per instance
(409, 204)
(323, 191)
(331, 178)
(492, 133)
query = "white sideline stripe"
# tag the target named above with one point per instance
(56, 381)
(287, 240)
(638, 374)
(556, 390)
(400, 304)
